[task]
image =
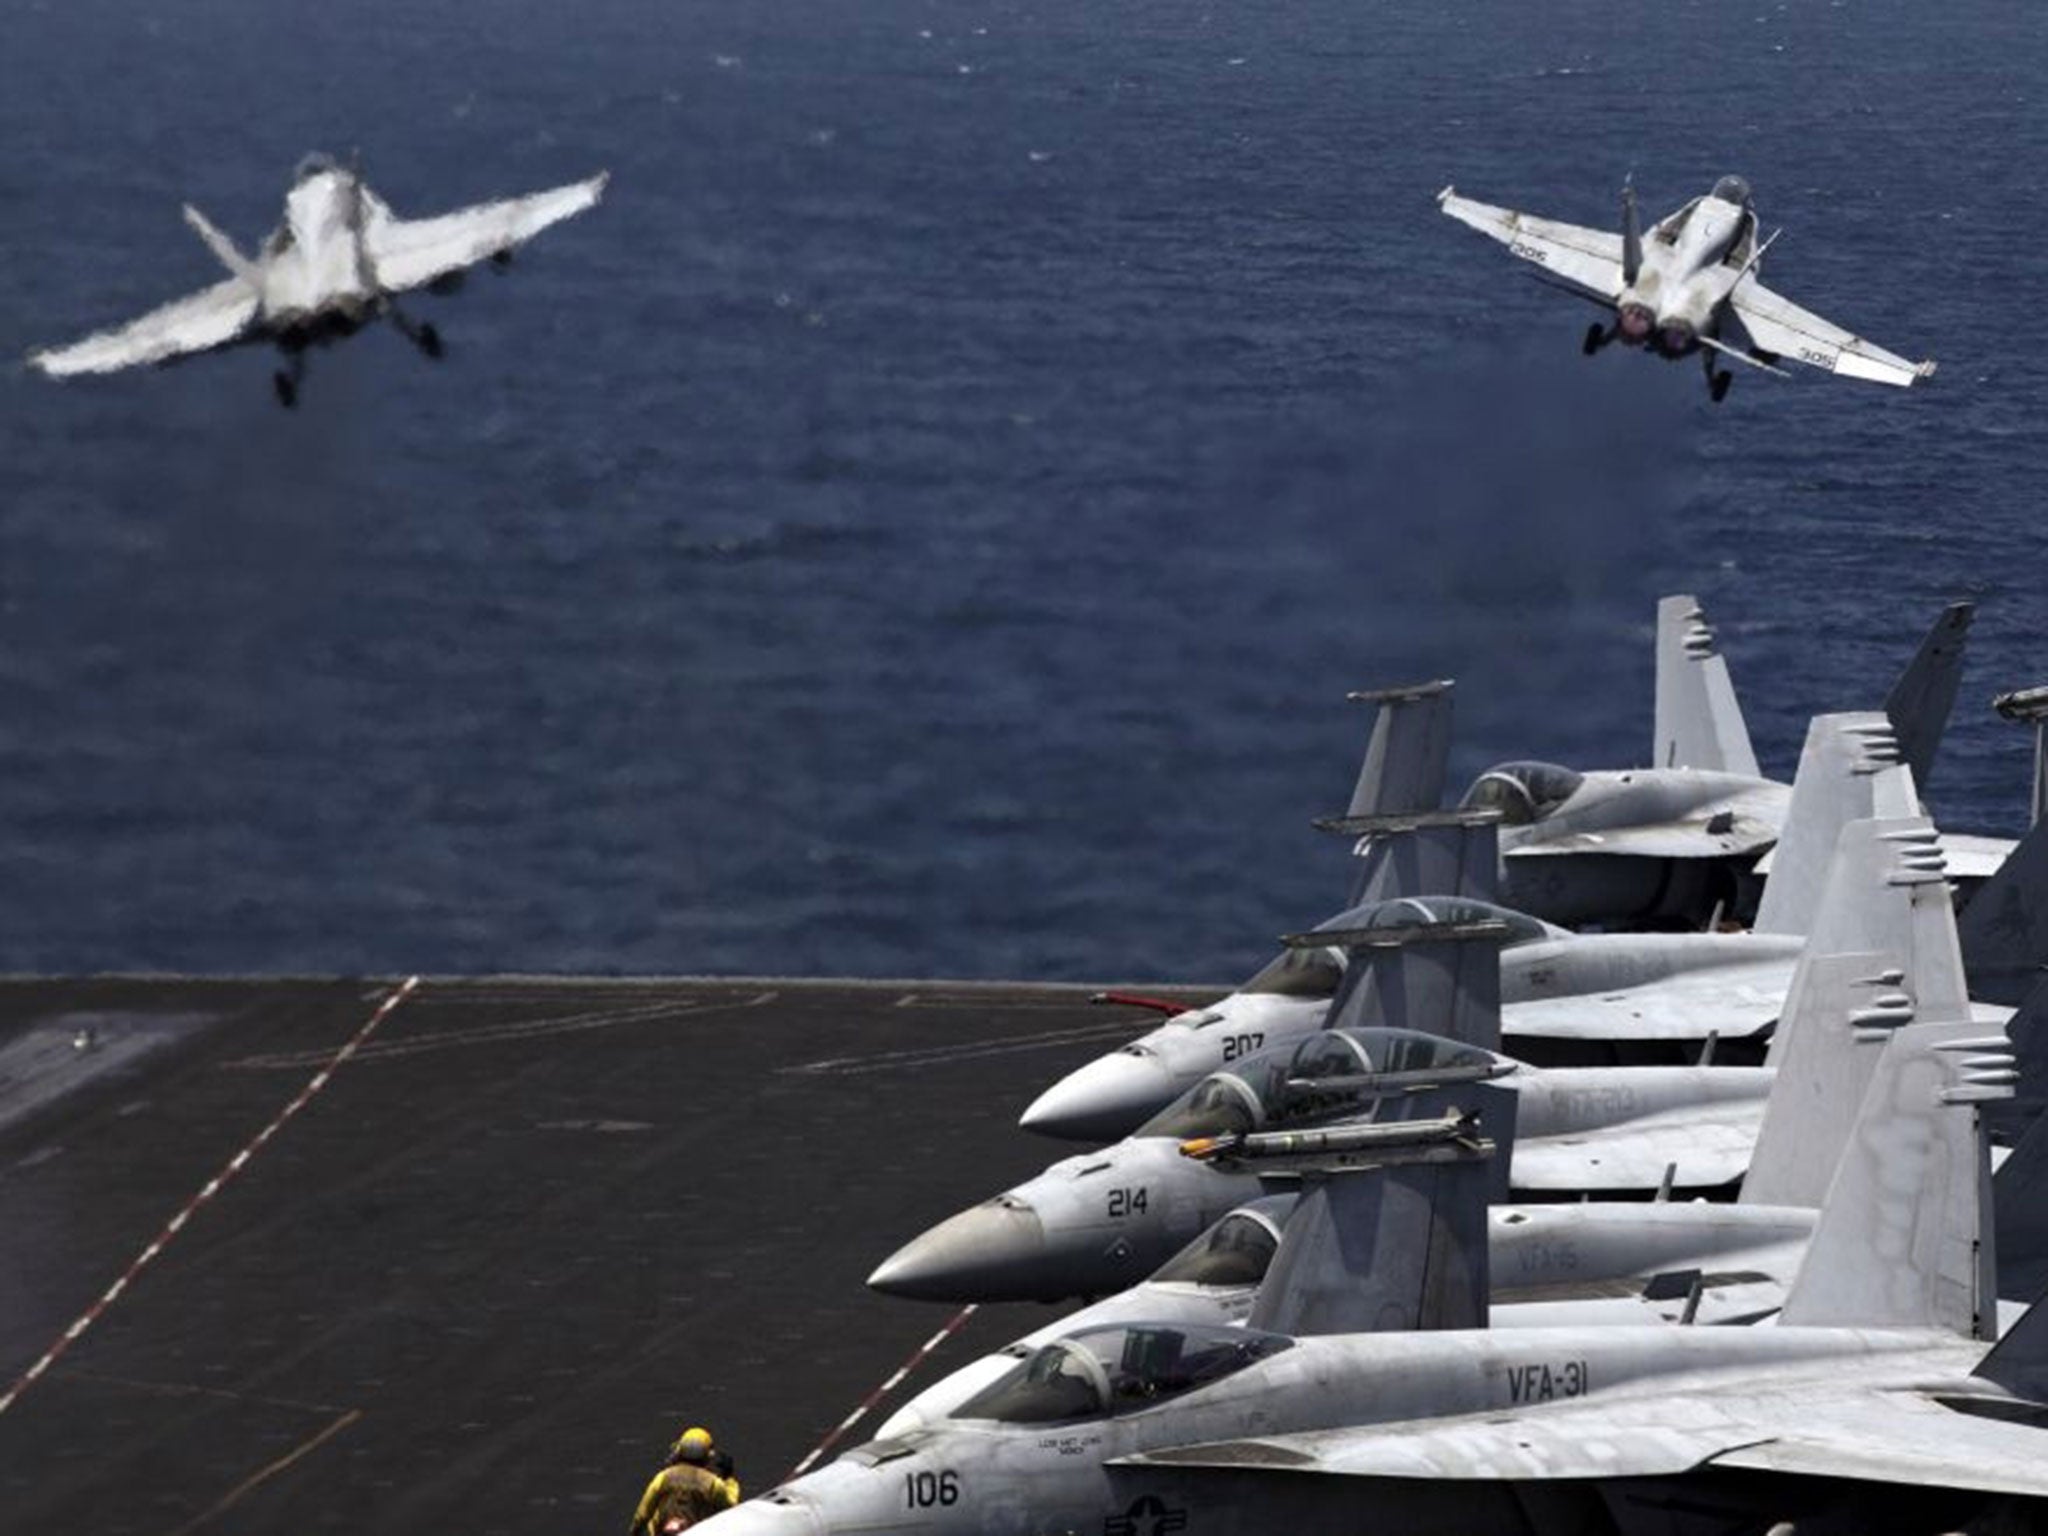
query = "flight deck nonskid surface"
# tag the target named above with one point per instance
(483, 1273)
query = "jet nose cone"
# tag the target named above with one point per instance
(1106, 1100)
(989, 1252)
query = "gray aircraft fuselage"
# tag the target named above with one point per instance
(1740, 981)
(1101, 1221)
(968, 1476)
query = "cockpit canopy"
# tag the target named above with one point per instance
(1334, 1074)
(1309, 972)
(1305, 973)
(1522, 792)
(1431, 911)
(315, 164)
(1116, 1369)
(1238, 1250)
(1733, 189)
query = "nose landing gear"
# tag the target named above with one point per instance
(286, 380)
(1718, 380)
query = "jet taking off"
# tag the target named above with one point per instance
(337, 261)
(1687, 285)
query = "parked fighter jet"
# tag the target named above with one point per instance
(1877, 1393)
(1632, 1262)
(1673, 845)
(337, 262)
(1561, 992)
(1093, 1223)
(1689, 285)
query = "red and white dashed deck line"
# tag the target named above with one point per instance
(207, 1191)
(959, 1321)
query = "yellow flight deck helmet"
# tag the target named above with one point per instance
(694, 1445)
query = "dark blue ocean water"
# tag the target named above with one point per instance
(926, 521)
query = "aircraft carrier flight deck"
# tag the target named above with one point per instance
(372, 1255)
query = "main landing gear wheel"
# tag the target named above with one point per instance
(1717, 385)
(1596, 338)
(287, 388)
(430, 341)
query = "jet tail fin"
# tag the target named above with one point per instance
(1443, 853)
(1442, 979)
(1918, 705)
(2019, 1201)
(1823, 1051)
(223, 248)
(2019, 1361)
(1698, 721)
(2005, 927)
(1850, 768)
(1397, 1246)
(1903, 1240)
(1403, 771)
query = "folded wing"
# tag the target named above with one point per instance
(1587, 259)
(213, 317)
(406, 253)
(1880, 1437)
(1779, 326)
(1732, 1001)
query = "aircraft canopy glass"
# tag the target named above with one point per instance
(1733, 189)
(1116, 1369)
(315, 164)
(1427, 911)
(1522, 792)
(1299, 973)
(1238, 1250)
(1334, 1074)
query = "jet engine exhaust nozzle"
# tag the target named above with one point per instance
(1675, 336)
(1636, 322)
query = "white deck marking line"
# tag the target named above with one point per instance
(958, 1321)
(889, 1061)
(207, 1191)
(519, 1029)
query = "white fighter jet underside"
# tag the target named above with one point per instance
(1688, 284)
(336, 262)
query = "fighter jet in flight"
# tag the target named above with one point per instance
(338, 261)
(1687, 285)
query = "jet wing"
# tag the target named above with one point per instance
(1587, 259)
(1687, 839)
(1869, 1436)
(213, 317)
(406, 253)
(1732, 1001)
(1710, 1145)
(1779, 326)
